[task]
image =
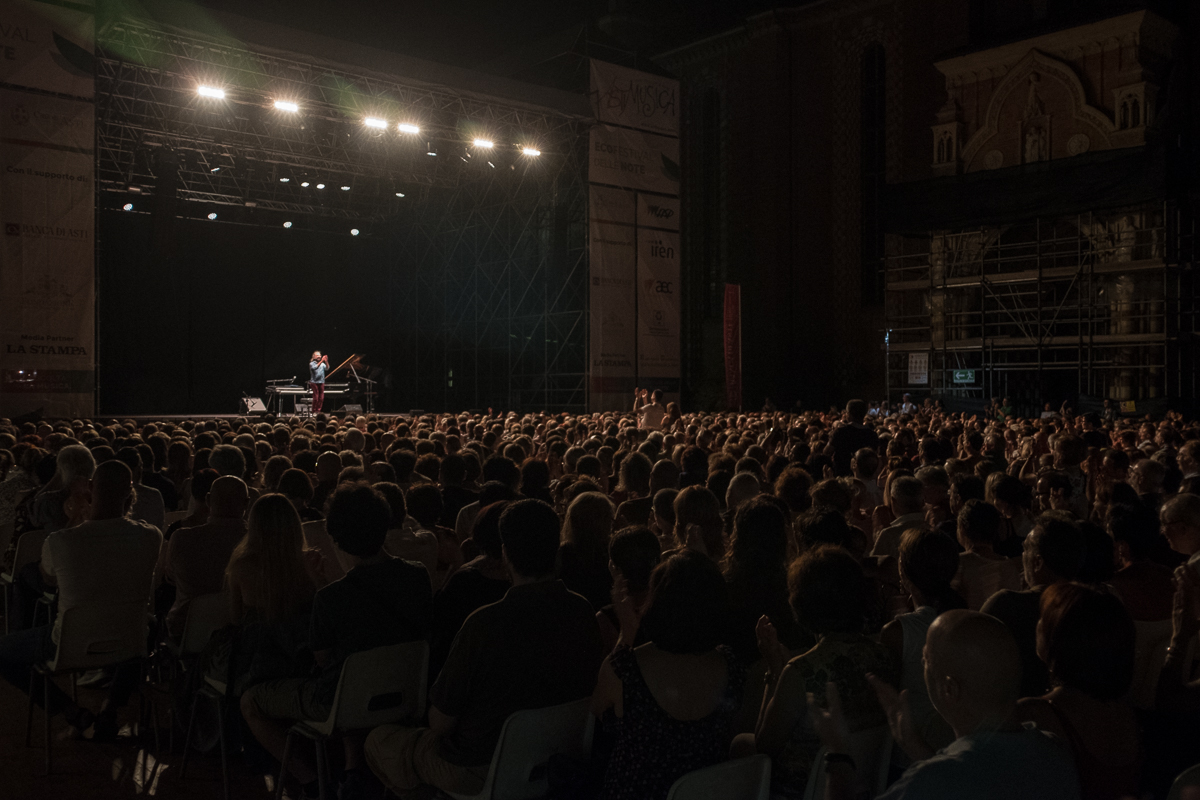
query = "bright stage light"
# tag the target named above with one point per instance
(213, 215)
(484, 143)
(399, 194)
(215, 169)
(345, 188)
(284, 105)
(287, 224)
(405, 127)
(531, 151)
(375, 122)
(128, 206)
(284, 180)
(320, 186)
(211, 91)
(354, 231)
(304, 184)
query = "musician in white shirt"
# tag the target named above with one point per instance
(316, 370)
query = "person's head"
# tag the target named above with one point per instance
(358, 520)
(295, 485)
(1134, 530)
(275, 540)
(633, 553)
(228, 459)
(1180, 517)
(696, 505)
(688, 605)
(132, 459)
(664, 475)
(485, 531)
(425, 504)
(827, 591)
(856, 410)
(1147, 476)
(202, 483)
(110, 489)
(228, 498)
(907, 495)
(529, 532)
(978, 525)
(273, 471)
(1086, 638)
(395, 500)
(662, 512)
(928, 562)
(635, 475)
(742, 487)
(865, 464)
(823, 526)
(75, 462)
(972, 670)
(792, 487)
(316, 356)
(1054, 550)
(759, 545)
(588, 523)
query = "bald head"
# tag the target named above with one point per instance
(111, 489)
(228, 498)
(972, 669)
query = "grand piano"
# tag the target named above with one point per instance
(356, 388)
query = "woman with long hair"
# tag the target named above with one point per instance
(698, 524)
(583, 555)
(271, 575)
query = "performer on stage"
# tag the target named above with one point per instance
(317, 368)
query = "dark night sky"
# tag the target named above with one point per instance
(469, 33)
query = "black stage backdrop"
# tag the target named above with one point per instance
(195, 313)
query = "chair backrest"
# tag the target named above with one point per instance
(380, 686)
(29, 549)
(1150, 653)
(527, 740)
(872, 753)
(171, 517)
(100, 635)
(741, 779)
(1190, 777)
(205, 615)
(316, 537)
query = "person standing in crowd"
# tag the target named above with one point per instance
(849, 438)
(649, 408)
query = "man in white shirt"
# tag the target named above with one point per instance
(107, 560)
(650, 414)
(908, 504)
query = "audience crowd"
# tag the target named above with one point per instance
(1012, 603)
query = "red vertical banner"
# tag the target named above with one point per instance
(733, 346)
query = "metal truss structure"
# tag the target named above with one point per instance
(492, 280)
(242, 151)
(1100, 305)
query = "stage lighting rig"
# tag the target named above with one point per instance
(211, 91)
(406, 127)
(285, 105)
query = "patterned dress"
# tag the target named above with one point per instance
(652, 748)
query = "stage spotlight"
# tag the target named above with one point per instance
(531, 151)
(490, 164)
(375, 122)
(211, 91)
(213, 215)
(215, 169)
(128, 207)
(430, 150)
(484, 143)
(284, 105)
(405, 127)
(399, 194)
(284, 180)
(320, 186)
(304, 184)
(287, 224)
(354, 231)
(345, 188)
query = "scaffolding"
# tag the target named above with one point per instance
(1098, 305)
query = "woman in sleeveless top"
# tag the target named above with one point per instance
(670, 702)
(928, 563)
(1086, 637)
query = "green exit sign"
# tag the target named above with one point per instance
(964, 376)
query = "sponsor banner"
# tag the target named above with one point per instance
(918, 369)
(611, 205)
(656, 211)
(47, 290)
(633, 159)
(658, 305)
(613, 314)
(48, 46)
(636, 99)
(733, 346)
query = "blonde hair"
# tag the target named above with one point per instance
(274, 546)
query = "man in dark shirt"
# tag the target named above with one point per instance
(538, 647)
(381, 601)
(850, 438)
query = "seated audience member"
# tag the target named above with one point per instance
(537, 647)
(633, 553)
(583, 555)
(198, 488)
(973, 676)
(423, 503)
(1146, 588)
(196, 557)
(635, 483)
(1086, 639)
(908, 505)
(662, 518)
(455, 495)
(294, 484)
(828, 596)
(865, 467)
(273, 470)
(404, 538)
(381, 601)
(1181, 525)
(329, 466)
(1146, 477)
(849, 438)
(698, 522)
(75, 466)
(477, 583)
(1014, 500)
(756, 576)
(535, 480)
(1054, 553)
(928, 564)
(496, 469)
(107, 560)
(981, 570)
(670, 701)
(148, 504)
(792, 487)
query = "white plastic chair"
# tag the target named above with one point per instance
(1150, 653)
(206, 614)
(527, 740)
(1190, 777)
(212, 691)
(29, 549)
(741, 779)
(316, 537)
(376, 687)
(90, 637)
(872, 753)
